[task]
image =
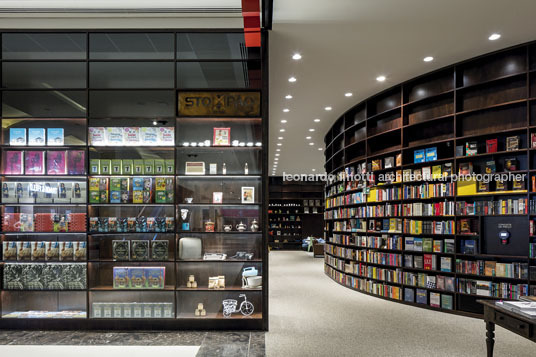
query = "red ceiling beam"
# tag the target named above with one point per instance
(251, 13)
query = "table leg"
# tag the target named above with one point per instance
(490, 335)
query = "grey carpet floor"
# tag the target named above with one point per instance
(311, 315)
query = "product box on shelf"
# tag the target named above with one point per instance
(45, 276)
(13, 162)
(34, 162)
(56, 163)
(36, 136)
(127, 167)
(140, 250)
(120, 278)
(137, 278)
(418, 156)
(159, 250)
(148, 167)
(17, 136)
(121, 250)
(55, 136)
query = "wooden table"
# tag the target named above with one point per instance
(517, 323)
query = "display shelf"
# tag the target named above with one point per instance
(443, 111)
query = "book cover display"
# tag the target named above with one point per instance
(55, 136)
(17, 136)
(36, 136)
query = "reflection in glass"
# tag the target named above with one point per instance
(44, 46)
(148, 104)
(218, 74)
(44, 104)
(131, 75)
(44, 75)
(211, 46)
(131, 46)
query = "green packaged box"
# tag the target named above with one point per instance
(115, 184)
(94, 196)
(105, 167)
(170, 167)
(160, 197)
(148, 167)
(116, 167)
(138, 167)
(126, 167)
(94, 167)
(159, 166)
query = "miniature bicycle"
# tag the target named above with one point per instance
(229, 307)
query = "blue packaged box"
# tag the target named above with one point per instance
(431, 154)
(17, 136)
(55, 136)
(418, 156)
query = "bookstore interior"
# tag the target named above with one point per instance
(138, 195)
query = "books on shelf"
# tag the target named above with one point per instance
(512, 143)
(471, 148)
(491, 146)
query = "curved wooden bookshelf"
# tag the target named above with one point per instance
(436, 243)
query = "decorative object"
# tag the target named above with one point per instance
(241, 227)
(229, 307)
(209, 226)
(214, 256)
(217, 197)
(185, 224)
(191, 283)
(190, 248)
(224, 169)
(254, 226)
(213, 169)
(246, 170)
(243, 256)
(222, 137)
(250, 278)
(200, 311)
(189, 199)
(248, 195)
(227, 227)
(216, 282)
(195, 168)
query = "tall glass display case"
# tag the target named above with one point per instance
(133, 181)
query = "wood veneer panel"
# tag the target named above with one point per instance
(492, 121)
(385, 123)
(356, 135)
(496, 93)
(429, 86)
(433, 109)
(385, 102)
(494, 66)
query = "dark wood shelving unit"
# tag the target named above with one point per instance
(295, 212)
(489, 97)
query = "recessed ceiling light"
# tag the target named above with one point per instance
(316, 120)
(428, 59)
(296, 56)
(277, 154)
(328, 108)
(311, 130)
(278, 150)
(279, 138)
(276, 158)
(154, 122)
(494, 36)
(311, 144)
(284, 121)
(348, 94)
(282, 130)
(320, 149)
(380, 78)
(292, 79)
(314, 170)
(286, 110)
(279, 144)
(308, 137)
(288, 96)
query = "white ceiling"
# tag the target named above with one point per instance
(346, 44)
